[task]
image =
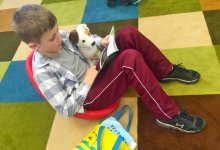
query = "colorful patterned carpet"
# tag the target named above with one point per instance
(187, 32)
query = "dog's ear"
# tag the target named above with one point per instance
(85, 27)
(74, 37)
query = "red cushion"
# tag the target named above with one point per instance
(89, 114)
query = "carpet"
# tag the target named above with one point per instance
(187, 32)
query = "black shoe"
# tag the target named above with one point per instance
(111, 3)
(179, 73)
(184, 122)
(126, 2)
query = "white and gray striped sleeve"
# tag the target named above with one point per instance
(58, 97)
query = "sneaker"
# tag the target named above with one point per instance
(111, 3)
(184, 122)
(125, 2)
(179, 73)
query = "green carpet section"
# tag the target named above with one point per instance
(202, 59)
(25, 126)
(164, 7)
(3, 65)
(213, 23)
(54, 1)
(68, 12)
(217, 49)
(103, 29)
(8, 47)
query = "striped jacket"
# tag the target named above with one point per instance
(61, 88)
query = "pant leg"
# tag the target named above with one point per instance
(129, 37)
(130, 69)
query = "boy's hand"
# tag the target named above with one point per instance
(104, 41)
(90, 75)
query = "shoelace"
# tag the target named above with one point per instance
(185, 115)
(180, 65)
(183, 69)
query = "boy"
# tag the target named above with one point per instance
(65, 77)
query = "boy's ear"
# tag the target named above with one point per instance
(33, 46)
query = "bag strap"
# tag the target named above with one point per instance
(101, 128)
(119, 114)
(117, 142)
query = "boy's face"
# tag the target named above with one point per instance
(50, 43)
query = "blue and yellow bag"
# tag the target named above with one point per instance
(109, 135)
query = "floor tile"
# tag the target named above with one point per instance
(6, 15)
(201, 59)
(103, 28)
(55, 1)
(206, 106)
(177, 30)
(65, 130)
(130, 93)
(212, 19)
(158, 7)
(16, 86)
(68, 27)
(68, 13)
(22, 52)
(6, 4)
(3, 67)
(8, 47)
(217, 50)
(210, 4)
(25, 125)
(103, 13)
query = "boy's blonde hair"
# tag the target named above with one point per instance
(31, 21)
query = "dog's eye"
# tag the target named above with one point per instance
(83, 41)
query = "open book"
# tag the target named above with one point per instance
(110, 51)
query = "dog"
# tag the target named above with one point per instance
(84, 40)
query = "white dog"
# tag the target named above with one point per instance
(82, 37)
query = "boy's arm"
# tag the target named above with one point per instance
(90, 75)
(66, 103)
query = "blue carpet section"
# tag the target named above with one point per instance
(97, 11)
(15, 85)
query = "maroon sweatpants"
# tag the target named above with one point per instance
(139, 64)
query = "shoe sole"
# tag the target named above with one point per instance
(180, 80)
(169, 126)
